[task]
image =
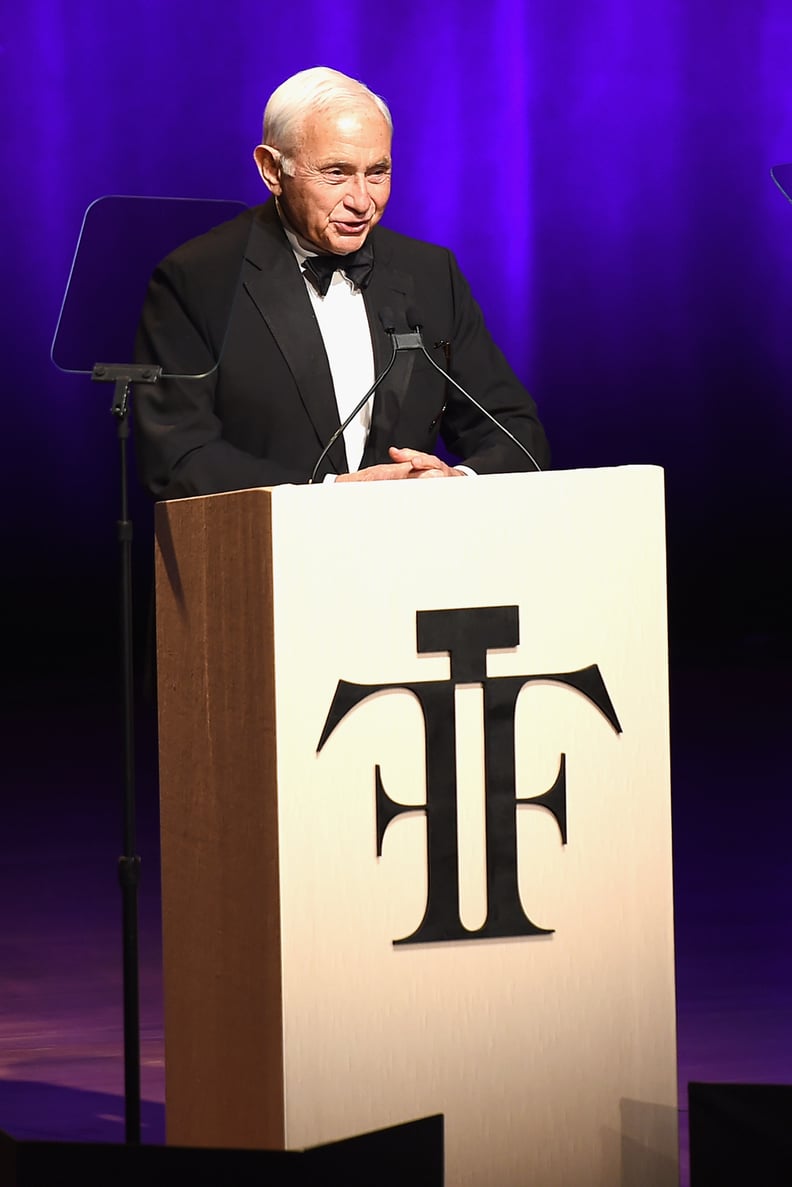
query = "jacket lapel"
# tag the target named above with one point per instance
(390, 289)
(275, 284)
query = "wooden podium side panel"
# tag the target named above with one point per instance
(552, 1056)
(221, 934)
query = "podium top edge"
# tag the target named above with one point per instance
(488, 478)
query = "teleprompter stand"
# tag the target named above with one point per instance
(100, 311)
(123, 376)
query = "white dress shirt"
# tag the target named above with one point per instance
(345, 331)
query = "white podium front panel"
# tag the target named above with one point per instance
(552, 1055)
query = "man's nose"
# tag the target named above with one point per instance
(357, 195)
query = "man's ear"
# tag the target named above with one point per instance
(268, 163)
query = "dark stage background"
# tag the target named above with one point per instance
(602, 170)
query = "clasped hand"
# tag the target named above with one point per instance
(405, 463)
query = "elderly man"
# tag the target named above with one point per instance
(287, 314)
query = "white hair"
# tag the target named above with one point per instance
(311, 90)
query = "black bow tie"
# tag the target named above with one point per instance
(357, 265)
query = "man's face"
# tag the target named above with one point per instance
(341, 181)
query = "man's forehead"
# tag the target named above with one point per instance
(327, 130)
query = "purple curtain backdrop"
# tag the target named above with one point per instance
(601, 169)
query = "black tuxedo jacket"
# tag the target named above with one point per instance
(232, 307)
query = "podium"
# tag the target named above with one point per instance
(416, 829)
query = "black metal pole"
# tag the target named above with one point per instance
(123, 375)
(129, 862)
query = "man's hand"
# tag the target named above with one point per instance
(423, 465)
(407, 463)
(384, 473)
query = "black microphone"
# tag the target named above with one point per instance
(415, 324)
(389, 326)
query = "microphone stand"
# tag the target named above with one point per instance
(414, 341)
(123, 376)
(360, 404)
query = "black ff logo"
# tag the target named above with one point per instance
(467, 635)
